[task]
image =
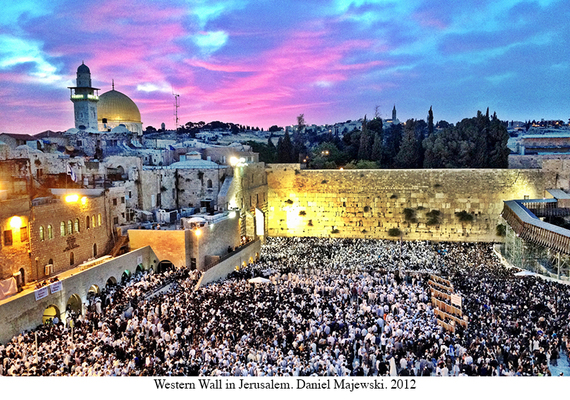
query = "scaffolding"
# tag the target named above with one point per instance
(534, 257)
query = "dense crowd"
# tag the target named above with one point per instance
(333, 307)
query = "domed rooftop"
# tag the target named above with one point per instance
(83, 69)
(117, 107)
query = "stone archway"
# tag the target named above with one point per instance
(74, 304)
(164, 266)
(50, 313)
(126, 275)
(139, 269)
(112, 281)
(93, 291)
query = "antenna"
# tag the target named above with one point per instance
(176, 105)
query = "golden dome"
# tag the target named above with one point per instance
(117, 107)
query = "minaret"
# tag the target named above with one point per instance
(84, 98)
(394, 113)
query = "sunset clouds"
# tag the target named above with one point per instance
(261, 63)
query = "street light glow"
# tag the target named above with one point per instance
(15, 222)
(72, 198)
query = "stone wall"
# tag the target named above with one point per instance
(368, 203)
(22, 312)
(168, 245)
(181, 245)
(15, 255)
(246, 255)
(81, 240)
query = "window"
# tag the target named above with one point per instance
(71, 258)
(42, 234)
(79, 144)
(50, 232)
(114, 202)
(99, 220)
(122, 200)
(69, 227)
(93, 223)
(88, 222)
(62, 228)
(209, 183)
(8, 238)
(94, 249)
(76, 225)
(116, 220)
(130, 195)
(24, 234)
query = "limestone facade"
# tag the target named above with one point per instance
(66, 234)
(368, 203)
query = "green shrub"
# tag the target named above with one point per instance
(464, 216)
(394, 232)
(434, 217)
(410, 215)
(501, 230)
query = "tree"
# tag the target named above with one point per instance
(430, 122)
(377, 131)
(267, 152)
(326, 156)
(473, 143)
(150, 129)
(275, 128)
(351, 141)
(284, 149)
(392, 141)
(365, 146)
(409, 155)
(301, 122)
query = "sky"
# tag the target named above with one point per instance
(262, 63)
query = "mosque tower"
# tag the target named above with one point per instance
(84, 98)
(394, 113)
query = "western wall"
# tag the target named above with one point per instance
(368, 203)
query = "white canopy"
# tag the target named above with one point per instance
(259, 279)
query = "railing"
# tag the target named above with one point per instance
(528, 227)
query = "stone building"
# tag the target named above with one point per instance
(68, 229)
(15, 216)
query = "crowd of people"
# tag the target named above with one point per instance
(332, 307)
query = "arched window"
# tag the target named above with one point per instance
(69, 227)
(99, 220)
(42, 234)
(62, 228)
(50, 232)
(94, 249)
(87, 222)
(71, 258)
(93, 221)
(209, 183)
(76, 224)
